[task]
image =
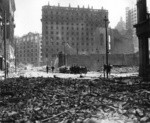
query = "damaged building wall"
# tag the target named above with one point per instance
(95, 62)
(121, 43)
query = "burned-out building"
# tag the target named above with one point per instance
(7, 9)
(72, 30)
(28, 49)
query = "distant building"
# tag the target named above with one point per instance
(28, 49)
(122, 38)
(121, 26)
(7, 7)
(72, 31)
(121, 43)
(131, 19)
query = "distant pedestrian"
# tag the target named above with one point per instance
(52, 68)
(109, 67)
(47, 68)
(104, 69)
(7, 69)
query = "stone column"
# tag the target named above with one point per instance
(143, 57)
(143, 39)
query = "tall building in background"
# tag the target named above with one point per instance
(7, 7)
(131, 19)
(72, 31)
(28, 49)
(121, 26)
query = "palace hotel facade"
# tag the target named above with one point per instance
(72, 30)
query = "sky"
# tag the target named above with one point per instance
(28, 13)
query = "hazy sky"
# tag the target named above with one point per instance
(28, 12)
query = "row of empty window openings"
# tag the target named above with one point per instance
(32, 39)
(27, 60)
(27, 55)
(77, 26)
(73, 13)
(82, 50)
(89, 25)
(26, 51)
(83, 39)
(70, 33)
(91, 20)
(57, 43)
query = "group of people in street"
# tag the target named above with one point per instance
(107, 69)
(52, 68)
(79, 69)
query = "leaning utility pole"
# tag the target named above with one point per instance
(5, 57)
(106, 25)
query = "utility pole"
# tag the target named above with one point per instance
(15, 58)
(106, 24)
(64, 54)
(5, 57)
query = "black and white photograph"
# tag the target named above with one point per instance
(74, 61)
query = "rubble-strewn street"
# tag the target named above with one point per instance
(60, 100)
(30, 71)
(79, 61)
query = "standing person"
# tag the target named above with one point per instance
(52, 68)
(104, 69)
(7, 69)
(109, 69)
(47, 68)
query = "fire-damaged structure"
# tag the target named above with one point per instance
(7, 9)
(143, 33)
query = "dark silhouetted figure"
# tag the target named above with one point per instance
(109, 67)
(7, 69)
(52, 68)
(47, 68)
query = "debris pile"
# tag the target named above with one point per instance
(55, 100)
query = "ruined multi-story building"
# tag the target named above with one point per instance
(121, 26)
(131, 19)
(7, 8)
(72, 31)
(28, 49)
(122, 39)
